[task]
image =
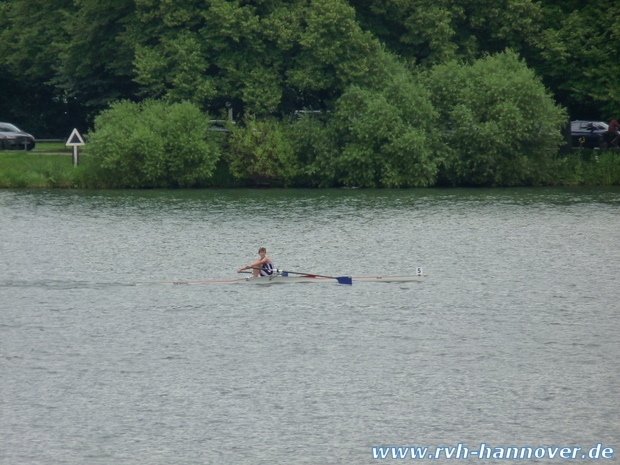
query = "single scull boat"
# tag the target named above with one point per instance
(284, 278)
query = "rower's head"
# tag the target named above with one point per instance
(262, 250)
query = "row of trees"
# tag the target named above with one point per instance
(491, 123)
(275, 56)
(411, 92)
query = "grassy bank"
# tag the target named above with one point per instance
(588, 168)
(39, 171)
(50, 166)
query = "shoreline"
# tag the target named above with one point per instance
(54, 170)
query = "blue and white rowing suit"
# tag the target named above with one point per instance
(267, 269)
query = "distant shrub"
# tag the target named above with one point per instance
(261, 153)
(588, 168)
(386, 136)
(500, 125)
(153, 144)
(382, 135)
(316, 148)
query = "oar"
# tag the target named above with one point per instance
(341, 279)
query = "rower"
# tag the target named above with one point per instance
(262, 267)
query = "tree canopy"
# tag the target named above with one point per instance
(277, 56)
(401, 92)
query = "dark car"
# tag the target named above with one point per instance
(587, 133)
(11, 137)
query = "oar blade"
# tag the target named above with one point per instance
(345, 280)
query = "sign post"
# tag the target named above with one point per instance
(75, 140)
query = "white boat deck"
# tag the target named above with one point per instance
(280, 279)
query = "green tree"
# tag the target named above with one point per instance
(435, 31)
(261, 153)
(153, 144)
(30, 31)
(580, 57)
(271, 57)
(64, 56)
(380, 135)
(316, 146)
(94, 65)
(267, 55)
(501, 126)
(386, 137)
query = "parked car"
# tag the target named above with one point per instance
(11, 137)
(587, 133)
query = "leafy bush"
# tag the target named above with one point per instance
(588, 168)
(384, 135)
(501, 126)
(262, 153)
(316, 149)
(153, 144)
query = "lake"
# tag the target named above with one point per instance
(512, 339)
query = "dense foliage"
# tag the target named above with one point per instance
(501, 126)
(279, 55)
(261, 153)
(411, 92)
(385, 137)
(153, 144)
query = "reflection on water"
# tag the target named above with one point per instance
(512, 339)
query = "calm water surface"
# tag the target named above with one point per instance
(512, 340)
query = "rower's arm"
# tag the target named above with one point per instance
(256, 264)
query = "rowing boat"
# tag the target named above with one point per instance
(288, 279)
(317, 279)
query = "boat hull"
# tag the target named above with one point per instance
(316, 279)
(279, 279)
